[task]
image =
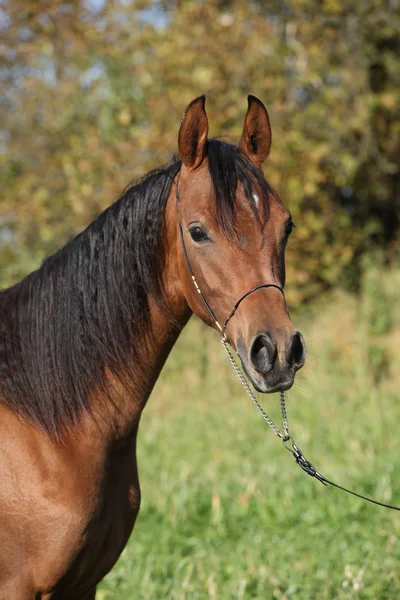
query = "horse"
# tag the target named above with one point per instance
(83, 340)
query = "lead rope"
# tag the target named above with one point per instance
(286, 437)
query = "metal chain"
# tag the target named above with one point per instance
(294, 449)
(284, 416)
(284, 437)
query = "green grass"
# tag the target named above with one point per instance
(226, 513)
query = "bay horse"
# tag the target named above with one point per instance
(84, 338)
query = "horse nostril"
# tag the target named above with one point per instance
(296, 352)
(263, 353)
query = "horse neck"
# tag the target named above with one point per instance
(118, 411)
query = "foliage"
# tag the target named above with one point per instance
(226, 513)
(94, 93)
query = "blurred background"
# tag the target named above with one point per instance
(93, 92)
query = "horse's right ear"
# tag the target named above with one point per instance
(193, 133)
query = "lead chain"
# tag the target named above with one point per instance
(294, 449)
(284, 437)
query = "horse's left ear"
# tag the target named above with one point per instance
(192, 139)
(256, 137)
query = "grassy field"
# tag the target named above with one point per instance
(226, 514)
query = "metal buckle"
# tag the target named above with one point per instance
(302, 461)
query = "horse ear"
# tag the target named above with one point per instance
(193, 132)
(256, 137)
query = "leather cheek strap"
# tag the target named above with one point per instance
(208, 307)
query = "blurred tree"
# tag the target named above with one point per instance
(94, 92)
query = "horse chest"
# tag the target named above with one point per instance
(75, 513)
(110, 511)
(107, 531)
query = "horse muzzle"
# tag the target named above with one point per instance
(271, 364)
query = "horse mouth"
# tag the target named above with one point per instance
(271, 382)
(266, 388)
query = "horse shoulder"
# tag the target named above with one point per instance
(66, 509)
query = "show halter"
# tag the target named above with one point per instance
(299, 457)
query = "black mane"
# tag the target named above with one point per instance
(78, 315)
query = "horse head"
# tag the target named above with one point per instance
(232, 234)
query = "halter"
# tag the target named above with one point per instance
(196, 285)
(298, 455)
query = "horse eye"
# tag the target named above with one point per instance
(289, 228)
(197, 234)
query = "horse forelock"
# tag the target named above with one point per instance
(229, 168)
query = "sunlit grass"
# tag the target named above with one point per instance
(225, 511)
